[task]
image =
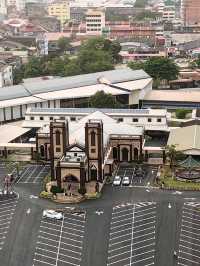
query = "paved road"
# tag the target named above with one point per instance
(153, 223)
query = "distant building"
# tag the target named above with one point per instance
(48, 42)
(20, 4)
(60, 10)
(169, 14)
(191, 12)
(6, 77)
(95, 21)
(3, 7)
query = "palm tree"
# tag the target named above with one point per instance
(172, 154)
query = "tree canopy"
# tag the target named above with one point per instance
(159, 68)
(96, 54)
(64, 44)
(103, 100)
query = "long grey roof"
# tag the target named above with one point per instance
(33, 88)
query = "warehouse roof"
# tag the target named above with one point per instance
(42, 87)
(11, 132)
(186, 138)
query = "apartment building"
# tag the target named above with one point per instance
(95, 21)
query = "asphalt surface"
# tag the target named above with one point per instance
(135, 225)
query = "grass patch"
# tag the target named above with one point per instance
(177, 184)
(92, 195)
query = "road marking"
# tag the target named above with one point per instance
(28, 211)
(131, 254)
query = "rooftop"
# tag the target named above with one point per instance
(67, 83)
(179, 137)
(85, 111)
(186, 95)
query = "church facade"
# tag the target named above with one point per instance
(88, 150)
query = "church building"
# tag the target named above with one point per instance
(88, 150)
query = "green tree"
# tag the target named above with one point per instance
(172, 154)
(136, 65)
(33, 68)
(72, 68)
(91, 61)
(64, 44)
(102, 44)
(103, 100)
(57, 66)
(181, 113)
(195, 63)
(161, 68)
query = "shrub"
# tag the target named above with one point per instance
(56, 189)
(181, 113)
(45, 195)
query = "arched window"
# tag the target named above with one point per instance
(135, 154)
(125, 153)
(93, 172)
(57, 137)
(42, 152)
(93, 138)
(115, 153)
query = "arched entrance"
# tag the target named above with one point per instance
(42, 151)
(115, 153)
(93, 172)
(135, 152)
(71, 179)
(125, 152)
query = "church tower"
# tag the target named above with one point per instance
(94, 149)
(59, 141)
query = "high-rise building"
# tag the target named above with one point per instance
(95, 21)
(190, 10)
(3, 7)
(60, 10)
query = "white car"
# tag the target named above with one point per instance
(117, 181)
(126, 181)
(52, 214)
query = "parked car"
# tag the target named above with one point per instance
(117, 180)
(52, 214)
(126, 181)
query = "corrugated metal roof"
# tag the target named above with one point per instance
(32, 88)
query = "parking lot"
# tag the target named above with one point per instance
(60, 242)
(138, 175)
(7, 209)
(132, 235)
(34, 173)
(28, 174)
(189, 246)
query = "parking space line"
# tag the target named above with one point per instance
(190, 248)
(68, 262)
(192, 261)
(43, 262)
(60, 242)
(132, 238)
(152, 257)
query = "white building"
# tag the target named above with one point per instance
(6, 76)
(126, 85)
(20, 4)
(95, 21)
(3, 7)
(169, 14)
(149, 119)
